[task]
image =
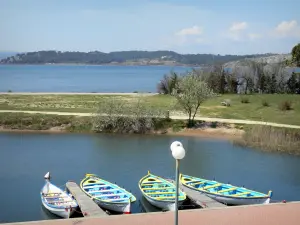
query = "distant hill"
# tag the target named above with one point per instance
(270, 59)
(122, 58)
(4, 55)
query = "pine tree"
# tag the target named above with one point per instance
(292, 83)
(273, 84)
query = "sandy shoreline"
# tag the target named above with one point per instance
(214, 133)
(211, 133)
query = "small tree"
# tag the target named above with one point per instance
(292, 83)
(167, 84)
(273, 84)
(262, 83)
(296, 54)
(193, 92)
(222, 82)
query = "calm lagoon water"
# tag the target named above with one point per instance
(25, 158)
(83, 78)
(54, 78)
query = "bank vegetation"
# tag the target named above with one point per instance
(274, 139)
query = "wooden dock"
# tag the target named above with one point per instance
(88, 207)
(198, 198)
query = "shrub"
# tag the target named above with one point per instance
(9, 91)
(245, 100)
(178, 125)
(122, 117)
(213, 124)
(285, 105)
(168, 83)
(265, 103)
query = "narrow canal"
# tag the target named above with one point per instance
(25, 158)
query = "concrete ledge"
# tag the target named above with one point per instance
(275, 214)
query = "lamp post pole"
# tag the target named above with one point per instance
(177, 187)
(178, 153)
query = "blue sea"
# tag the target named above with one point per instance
(82, 78)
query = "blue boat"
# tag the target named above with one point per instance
(225, 193)
(107, 195)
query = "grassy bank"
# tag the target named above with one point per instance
(272, 139)
(42, 122)
(39, 122)
(59, 123)
(258, 107)
(262, 137)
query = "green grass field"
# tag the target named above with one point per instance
(254, 110)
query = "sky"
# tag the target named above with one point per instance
(185, 26)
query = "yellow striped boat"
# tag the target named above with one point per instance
(225, 193)
(160, 192)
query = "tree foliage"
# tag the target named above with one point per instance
(96, 57)
(168, 83)
(191, 91)
(296, 54)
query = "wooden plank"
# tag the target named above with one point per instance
(200, 182)
(88, 207)
(199, 198)
(159, 193)
(161, 188)
(211, 186)
(240, 194)
(226, 190)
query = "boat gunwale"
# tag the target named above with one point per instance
(133, 198)
(159, 200)
(266, 196)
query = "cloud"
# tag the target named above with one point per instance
(254, 36)
(187, 36)
(287, 29)
(236, 31)
(238, 26)
(195, 30)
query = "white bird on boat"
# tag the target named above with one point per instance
(56, 200)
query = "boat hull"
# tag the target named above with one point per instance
(238, 201)
(106, 194)
(164, 205)
(116, 207)
(57, 201)
(61, 212)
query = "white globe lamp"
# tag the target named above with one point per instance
(178, 153)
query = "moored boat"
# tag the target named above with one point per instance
(225, 193)
(160, 192)
(106, 194)
(56, 200)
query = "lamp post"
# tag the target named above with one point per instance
(178, 153)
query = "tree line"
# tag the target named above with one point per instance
(96, 57)
(252, 77)
(246, 77)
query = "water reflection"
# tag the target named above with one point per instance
(125, 159)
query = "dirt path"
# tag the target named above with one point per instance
(174, 117)
(72, 93)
